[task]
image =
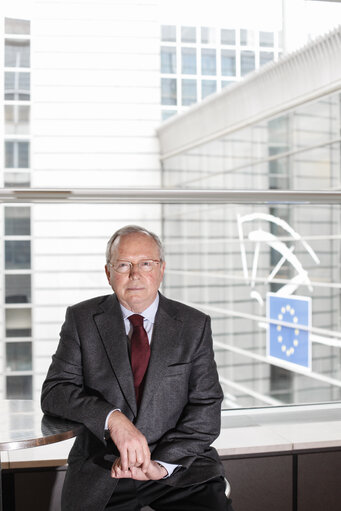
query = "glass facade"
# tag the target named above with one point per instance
(208, 54)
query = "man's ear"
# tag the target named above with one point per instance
(107, 272)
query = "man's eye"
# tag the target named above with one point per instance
(123, 265)
(146, 264)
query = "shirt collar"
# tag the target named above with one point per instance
(148, 314)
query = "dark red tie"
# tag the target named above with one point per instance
(139, 354)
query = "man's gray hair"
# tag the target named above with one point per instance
(131, 229)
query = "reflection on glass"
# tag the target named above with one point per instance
(266, 39)
(208, 61)
(17, 119)
(228, 36)
(265, 57)
(188, 34)
(17, 180)
(17, 26)
(19, 387)
(17, 154)
(168, 33)
(17, 53)
(207, 35)
(17, 221)
(17, 86)
(189, 91)
(208, 87)
(188, 61)
(228, 62)
(166, 114)
(168, 59)
(247, 62)
(17, 254)
(19, 356)
(18, 322)
(17, 288)
(168, 91)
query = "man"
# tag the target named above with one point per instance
(145, 388)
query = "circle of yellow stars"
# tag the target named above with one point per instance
(281, 317)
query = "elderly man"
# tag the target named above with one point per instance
(137, 369)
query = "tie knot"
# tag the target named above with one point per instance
(136, 320)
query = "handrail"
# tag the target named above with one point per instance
(167, 196)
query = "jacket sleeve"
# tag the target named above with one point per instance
(64, 393)
(199, 423)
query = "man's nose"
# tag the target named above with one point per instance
(134, 271)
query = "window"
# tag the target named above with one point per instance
(207, 35)
(19, 356)
(17, 53)
(166, 114)
(265, 57)
(168, 91)
(18, 288)
(228, 62)
(168, 33)
(17, 86)
(208, 62)
(188, 34)
(19, 387)
(17, 254)
(189, 92)
(188, 61)
(15, 26)
(17, 221)
(17, 180)
(247, 62)
(208, 87)
(247, 37)
(266, 39)
(168, 59)
(17, 119)
(16, 154)
(227, 36)
(18, 322)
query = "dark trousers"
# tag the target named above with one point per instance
(131, 495)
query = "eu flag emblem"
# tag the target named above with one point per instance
(288, 339)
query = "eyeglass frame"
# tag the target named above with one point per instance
(158, 261)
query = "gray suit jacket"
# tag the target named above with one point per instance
(179, 413)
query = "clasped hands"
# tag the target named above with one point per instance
(134, 461)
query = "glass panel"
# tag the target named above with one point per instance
(17, 288)
(17, 179)
(17, 221)
(228, 36)
(188, 34)
(168, 59)
(228, 62)
(19, 356)
(17, 255)
(208, 62)
(17, 53)
(17, 119)
(19, 387)
(17, 86)
(18, 322)
(247, 62)
(168, 91)
(208, 87)
(226, 83)
(247, 37)
(188, 61)
(208, 35)
(168, 33)
(266, 39)
(189, 91)
(16, 26)
(265, 57)
(17, 154)
(166, 114)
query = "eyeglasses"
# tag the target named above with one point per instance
(145, 266)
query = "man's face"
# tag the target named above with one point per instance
(135, 290)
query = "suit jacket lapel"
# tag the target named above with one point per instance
(110, 326)
(163, 350)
